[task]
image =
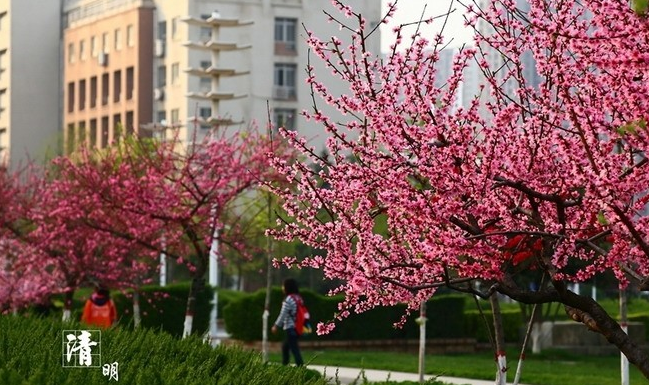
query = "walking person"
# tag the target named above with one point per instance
(99, 309)
(286, 321)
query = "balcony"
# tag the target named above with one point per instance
(284, 93)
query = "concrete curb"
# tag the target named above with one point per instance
(348, 375)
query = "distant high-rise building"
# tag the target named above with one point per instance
(497, 63)
(471, 80)
(30, 33)
(444, 66)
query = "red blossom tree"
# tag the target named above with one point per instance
(45, 247)
(26, 273)
(548, 177)
(82, 255)
(171, 196)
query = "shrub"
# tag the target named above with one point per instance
(31, 353)
(475, 326)
(641, 317)
(243, 318)
(164, 307)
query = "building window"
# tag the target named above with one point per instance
(104, 132)
(3, 142)
(285, 36)
(283, 117)
(117, 86)
(3, 61)
(104, 43)
(130, 37)
(82, 95)
(118, 39)
(93, 46)
(175, 73)
(82, 50)
(93, 133)
(71, 58)
(174, 28)
(93, 92)
(205, 64)
(162, 76)
(130, 83)
(206, 34)
(3, 101)
(71, 138)
(82, 133)
(129, 123)
(205, 85)
(117, 125)
(162, 30)
(71, 97)
(284, 81)
(205, 112)
(161, 117)
(175, 116)
(105, 91)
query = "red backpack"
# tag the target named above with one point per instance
(302, 317)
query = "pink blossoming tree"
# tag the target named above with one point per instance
(45, 246)
(83, 255)
(549, 177)
(25, 274)
(171, 197)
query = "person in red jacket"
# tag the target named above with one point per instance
(99, 310)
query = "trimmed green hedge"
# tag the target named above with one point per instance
(164, 307)
(475, 326)
(641, 317)
(243, 318)
(31, 353)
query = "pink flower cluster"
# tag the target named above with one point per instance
(418, 193)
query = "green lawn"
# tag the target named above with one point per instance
(550, 368)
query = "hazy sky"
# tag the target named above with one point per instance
(411, 10)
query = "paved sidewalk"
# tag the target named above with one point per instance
(348, 375)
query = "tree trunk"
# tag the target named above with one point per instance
(67, 306)
(590, 313)
(422, 340)
(581, 309)
(196, 286)
(624, 362)
(537, 329)
(499, 336)
(137, 318)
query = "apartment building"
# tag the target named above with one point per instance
(107, 78)
(30, 32)
(159, 66)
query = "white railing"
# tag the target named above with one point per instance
(283, 92)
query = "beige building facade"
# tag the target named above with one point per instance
(107, 77)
